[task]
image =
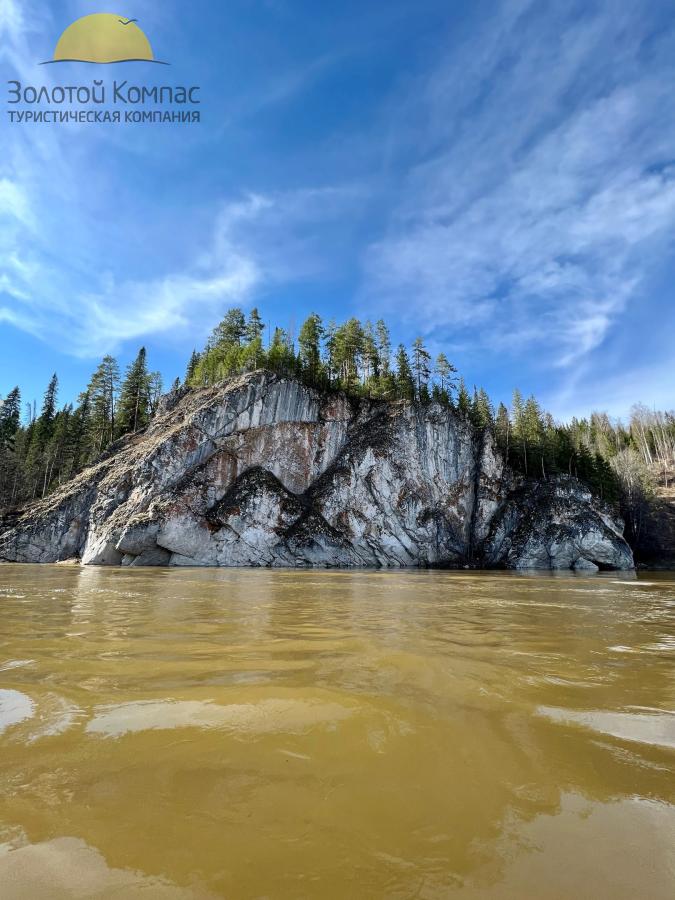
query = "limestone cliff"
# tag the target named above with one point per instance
(265, 471)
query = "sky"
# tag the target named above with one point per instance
(495, 177)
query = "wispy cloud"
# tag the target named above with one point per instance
(79, 266)
(256, 242)
(507, 187)
(546, 192)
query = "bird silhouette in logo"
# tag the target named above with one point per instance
(103, 38)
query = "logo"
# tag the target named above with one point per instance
(103, 38)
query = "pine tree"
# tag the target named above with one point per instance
(421, 365)
(446, 373)
(231, 330)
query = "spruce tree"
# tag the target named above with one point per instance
(383, 347)
(79, 439)
(133, 411)
(56, 452)
(191, 367)
(10, 417)
(371, 357)
(103, 389)
(45, 422)
(463, 399)
(309, 347)
(330, 348)
(482, 413)
(405, 384)
(503, 430)
(254, 326)
(280, 356)
(36, 461)
(10, 420)
(348, 352)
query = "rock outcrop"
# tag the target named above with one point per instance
(265, 471)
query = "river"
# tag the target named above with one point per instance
(245, 734)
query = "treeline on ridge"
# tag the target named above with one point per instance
(617, 461)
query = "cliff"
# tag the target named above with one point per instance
(265, 471)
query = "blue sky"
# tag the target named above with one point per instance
(498, 177)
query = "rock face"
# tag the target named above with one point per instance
(264, 471)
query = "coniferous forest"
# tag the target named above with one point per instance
(621, 462)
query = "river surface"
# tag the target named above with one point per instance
(278, 734)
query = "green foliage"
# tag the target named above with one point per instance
(309, 343)
(231, 330)
(10, 418)
(191, 366)
(133, 412)
(463, 399)
(616, 461)
(103, 391)
(254, 327)
(421, 366)
(37, 457)
(405, 385)
(482, 413)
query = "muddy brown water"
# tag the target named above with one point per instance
(280, 734)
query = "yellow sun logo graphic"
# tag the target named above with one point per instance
(103, 38)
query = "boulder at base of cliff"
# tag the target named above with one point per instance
(557, 525)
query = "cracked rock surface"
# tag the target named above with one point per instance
(264, 471)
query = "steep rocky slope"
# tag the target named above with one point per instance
(656, 543)
(263, 470)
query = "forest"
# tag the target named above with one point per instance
(40, 450)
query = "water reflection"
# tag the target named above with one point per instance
(299, 734)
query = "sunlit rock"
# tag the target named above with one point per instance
(265, 471)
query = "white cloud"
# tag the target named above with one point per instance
(256, 241)
(545, 195)
(87, 261)
(615, 393)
